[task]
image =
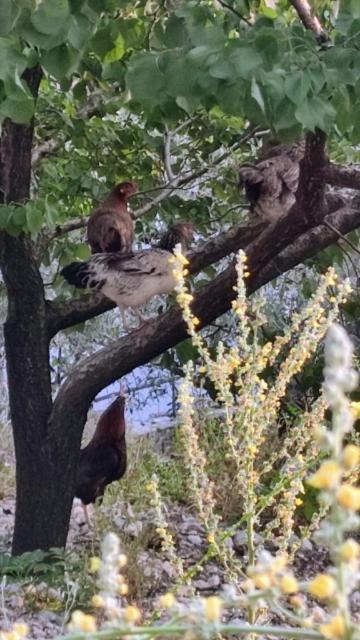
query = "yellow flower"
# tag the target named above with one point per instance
(202, 369)
(351, 456)
(211, 538)
(166, 601)
(334, 629)
(122, 560)
(21, 629)
(327, 476)
(132, 614)
(349, 550)
(323, 586)
(349, 497)
(280, 562)
(97, 601)
(123, 589)
(262, 581)
(355, 410)
(195, 321)
(94, 564)
(83, 621)
(149, 487)
(213, 607)
(289, 584)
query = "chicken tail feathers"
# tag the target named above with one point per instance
(79, 275)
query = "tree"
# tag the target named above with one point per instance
(178, 93)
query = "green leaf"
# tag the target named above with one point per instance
(10, 58)
(257, 95)
(144, 78)
(118, 50)
(80, 31)
(34, 217)
(50, 16)
(102, 41)
(315, 112)
(61, 61)
(245, 61)
(19, 111)
(297, 86)
(9, 13)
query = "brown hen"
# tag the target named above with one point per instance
(110, 227)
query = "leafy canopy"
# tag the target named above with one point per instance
(115, 77)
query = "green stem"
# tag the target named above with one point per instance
(169, 630)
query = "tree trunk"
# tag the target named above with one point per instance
(43, 495)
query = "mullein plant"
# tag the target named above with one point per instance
(270, 582)
(251, 405)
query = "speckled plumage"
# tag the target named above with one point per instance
(271, 183)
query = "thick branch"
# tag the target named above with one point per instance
(309, 21)
(168, 329)
(340, 176)
(67, 313)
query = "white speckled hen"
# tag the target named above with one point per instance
(131, 280)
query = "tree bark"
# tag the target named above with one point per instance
(39, 520)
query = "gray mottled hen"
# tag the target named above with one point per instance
(131, 280)
(271, 184)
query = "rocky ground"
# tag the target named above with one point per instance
(45, 609)
(153, 574)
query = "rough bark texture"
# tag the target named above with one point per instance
(39, 520)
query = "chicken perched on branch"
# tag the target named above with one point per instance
(103, 460)
(110, 227)
(131, 280)
(271, 184)
(178, 233)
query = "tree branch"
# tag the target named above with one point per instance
(156, 336)
(236, 13)
(341, 176)
(309, 21)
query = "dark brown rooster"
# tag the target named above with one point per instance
(110, 227)
(103, 460)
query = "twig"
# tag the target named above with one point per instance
(167, 154)
(235, 12)
(340, 235)
(309, 21)
(172, 185)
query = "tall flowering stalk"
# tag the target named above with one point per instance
(167, 539)
(251, 405)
